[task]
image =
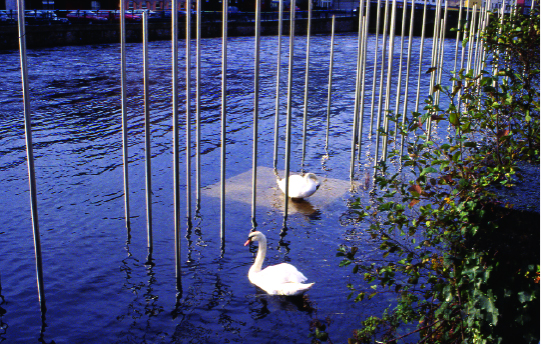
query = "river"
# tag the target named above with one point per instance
(99, 285)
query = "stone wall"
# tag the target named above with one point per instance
(62, 35)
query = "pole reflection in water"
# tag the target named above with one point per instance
(3, 325)
(139, 313)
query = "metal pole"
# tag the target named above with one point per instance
(471, 37)
(256, 108)
(374, 78)
(278, 70)
(388, 87)
(148, 170)
(189, 113)
(399, 85)
(456, 43)
(198, 106)
(329, 91)
(223, 122)
(306, 75)
(442, 50)
(380, 100)
(30, 154)
(406, 91)
(176, 134)
(357, 96)
(289, 105)
(421, 49)
(434, 61)
(366, 20)
(123, 97)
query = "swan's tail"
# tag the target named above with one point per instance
(293, 289)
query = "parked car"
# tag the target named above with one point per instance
(8, 17)
(152, 15)
(47, 17)
(114, 15)
(85, 16)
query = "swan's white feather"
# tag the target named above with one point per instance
(281, 279)
(300, 186)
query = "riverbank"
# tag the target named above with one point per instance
(38, 36)
(81, 34)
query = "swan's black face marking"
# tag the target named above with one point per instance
(251, 238)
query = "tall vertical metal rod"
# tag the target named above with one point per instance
(176, 135)
(198, 105)
(357, 96)
(466, 27)
(399, 85)
(366, 21)
(289, 104)
(375, 76)
(306, 78)
(463, 50)
(442, 51)
(123, 96)
(421, 49)
(434, 61)
(380, 100)
(388, 87)
(480, 47)
(256, 107)
(189, 113)
(406, 91)
(459, 29)
(223, 121)
(329, 90)
(471, 37)
(148, 155)
(278, 70)
(475, 59)
(30, 153)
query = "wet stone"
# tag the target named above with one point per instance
(239, 188)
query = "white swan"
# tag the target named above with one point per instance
(300, 186)
(281, 279)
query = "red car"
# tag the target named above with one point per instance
(85, 16)
(114, 15)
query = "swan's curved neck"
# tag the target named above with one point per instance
(261, 252)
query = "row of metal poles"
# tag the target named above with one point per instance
(473, 60)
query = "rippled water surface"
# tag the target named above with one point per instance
(99, 285)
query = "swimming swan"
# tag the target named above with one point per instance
(300, 186)
(281, 279)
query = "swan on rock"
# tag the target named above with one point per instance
(281, 279)
(300, 186)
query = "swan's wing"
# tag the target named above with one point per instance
(297, 186)
(281, 274)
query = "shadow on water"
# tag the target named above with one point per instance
(263, 305)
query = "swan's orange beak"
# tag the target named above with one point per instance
(248, 242)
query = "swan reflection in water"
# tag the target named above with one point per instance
(264, 304)
(301, 206)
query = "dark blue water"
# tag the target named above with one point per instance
(98, 282)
